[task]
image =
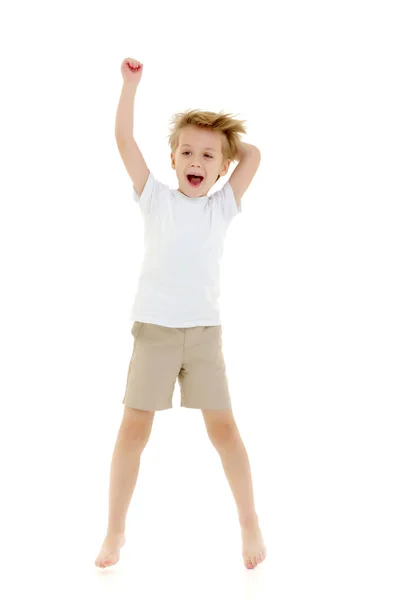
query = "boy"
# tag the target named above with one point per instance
(177, 330)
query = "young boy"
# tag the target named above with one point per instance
(177, 329)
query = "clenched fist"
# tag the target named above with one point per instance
(131, 70)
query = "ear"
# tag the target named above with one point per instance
(172, 160)
(225, 167)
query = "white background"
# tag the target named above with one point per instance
(309, 299)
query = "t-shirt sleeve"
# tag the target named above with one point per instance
(226, 204)
(150, 197)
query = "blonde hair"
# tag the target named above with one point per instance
(224, 123)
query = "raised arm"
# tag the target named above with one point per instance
(129, 150)
(249, 157)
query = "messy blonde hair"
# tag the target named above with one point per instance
(224, 123)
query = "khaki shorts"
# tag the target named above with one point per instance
(162, 354)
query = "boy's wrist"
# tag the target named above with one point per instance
(129, 85)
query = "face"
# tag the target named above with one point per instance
(200, 152)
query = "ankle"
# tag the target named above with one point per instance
(249, 521)
(115, 533)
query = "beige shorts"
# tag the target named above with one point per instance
(162, 354)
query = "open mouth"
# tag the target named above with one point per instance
(195, 180)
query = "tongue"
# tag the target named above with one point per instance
(195, 180)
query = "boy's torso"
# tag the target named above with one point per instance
(179, 282)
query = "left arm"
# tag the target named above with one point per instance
(249, 158)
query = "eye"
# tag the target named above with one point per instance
(187, 151)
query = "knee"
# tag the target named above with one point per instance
(136, 433)
(223, 434)
(134, 436)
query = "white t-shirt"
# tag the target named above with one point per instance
(183, 243)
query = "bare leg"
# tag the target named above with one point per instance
(225, 437)
(132, 438)
(236, 465)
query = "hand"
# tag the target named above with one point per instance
(131, 70)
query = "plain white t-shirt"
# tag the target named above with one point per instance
(178, 285)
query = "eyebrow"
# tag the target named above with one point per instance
(208, 148)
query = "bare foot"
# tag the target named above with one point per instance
(109, 553)
(254, 550)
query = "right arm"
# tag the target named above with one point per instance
(127, 146)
